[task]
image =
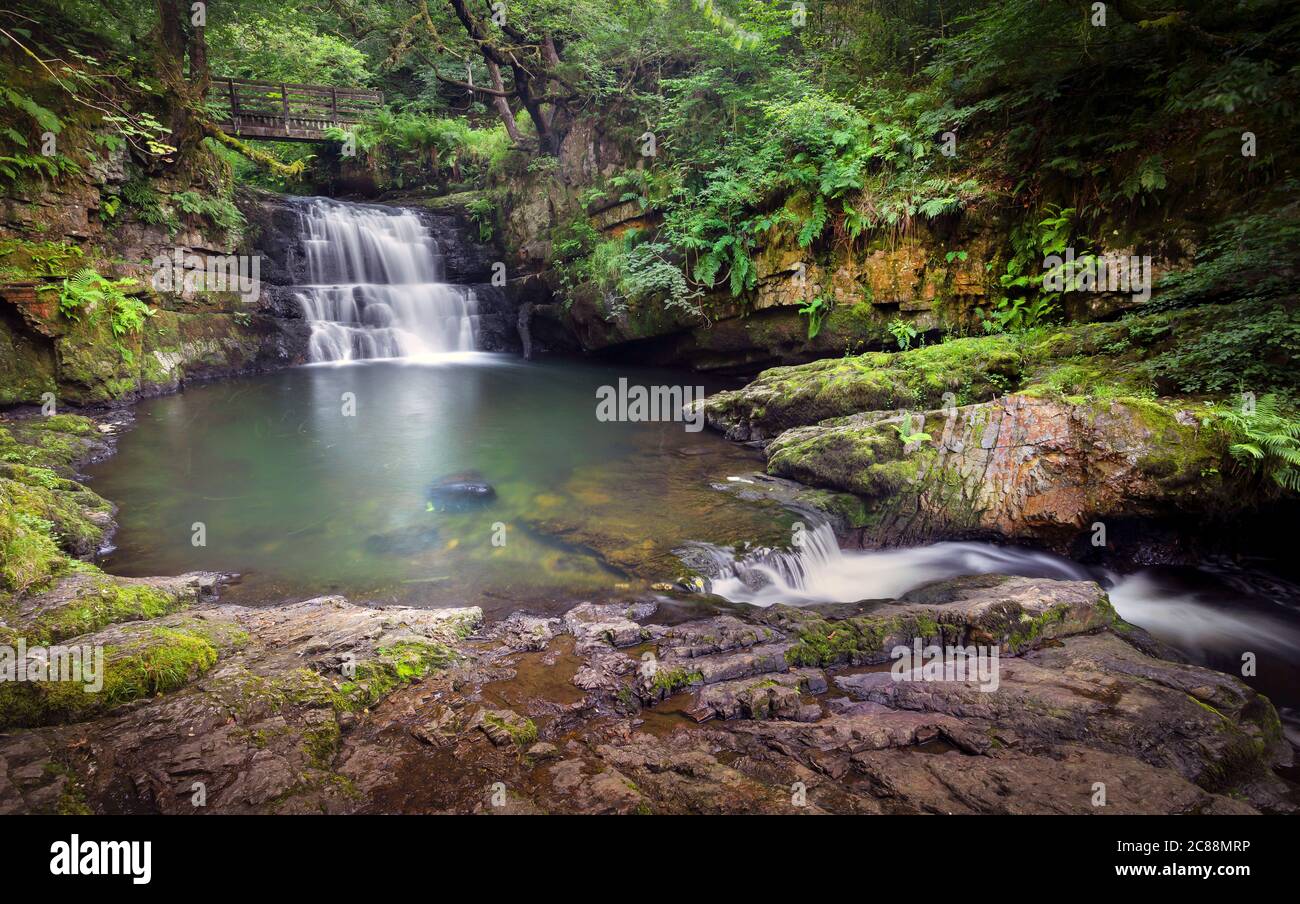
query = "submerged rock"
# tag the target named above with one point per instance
(407, 542)
(460, 492)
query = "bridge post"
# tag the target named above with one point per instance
(234, 104)
(284, 101)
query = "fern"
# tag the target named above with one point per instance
(816, 311)
(907, 436)
(87, 291)
(1266, 443)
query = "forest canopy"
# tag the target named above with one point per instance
(823, 121)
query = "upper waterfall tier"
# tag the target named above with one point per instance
(375, 286)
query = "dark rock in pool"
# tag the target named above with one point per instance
(408, 542)
(459, 492)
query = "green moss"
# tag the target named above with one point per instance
(104, 602)
(927, 627)
(1030, 628)
(970, 369)
(1210, 709)
(851, 640)
(72, 799)
(29, 556)
(321, 743)
(868, 460)
(668, 681)
(76, 424)
(148, 662)
(57, 442)
(27, 365)
(523, 732)
(1079, 363)
(77, 516)
(391, 668)
(21, 259)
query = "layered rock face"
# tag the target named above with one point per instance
(929, 278)
(278, 234)
(118, 224)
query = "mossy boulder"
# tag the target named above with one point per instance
(970, 370)
(57, 442)
(1017, 467)
(85, 600)
(47, 519)
(79, 517)
(138, 660)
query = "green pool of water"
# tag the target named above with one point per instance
(302, 499)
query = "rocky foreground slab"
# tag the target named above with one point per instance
(324, 706)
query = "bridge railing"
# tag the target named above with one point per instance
(256, 109)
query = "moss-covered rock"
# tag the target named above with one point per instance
(1012, 614)
(1035, 436)
(78, 516)
(27, 369)
(504, 726)
(971, 370)
(57, 442)
(1017, 467)
(47, 520)
(85, 600)
(95, 367)
(139, 660)
(390, 668)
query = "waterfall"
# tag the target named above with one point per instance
(375, 286)
(818, 571)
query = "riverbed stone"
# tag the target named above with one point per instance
(460, 492)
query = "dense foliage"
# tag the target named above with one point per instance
(829, 126)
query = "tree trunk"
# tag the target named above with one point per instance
(502, 105)
(177, 42)
(524, 82)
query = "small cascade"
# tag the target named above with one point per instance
(818, 571)
(375, 286)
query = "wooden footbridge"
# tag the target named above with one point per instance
(287, 112)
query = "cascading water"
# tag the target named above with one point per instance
(819, 571)
(376, 288)
(1210, 614)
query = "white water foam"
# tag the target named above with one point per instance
(820, 571)
(376, 288)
